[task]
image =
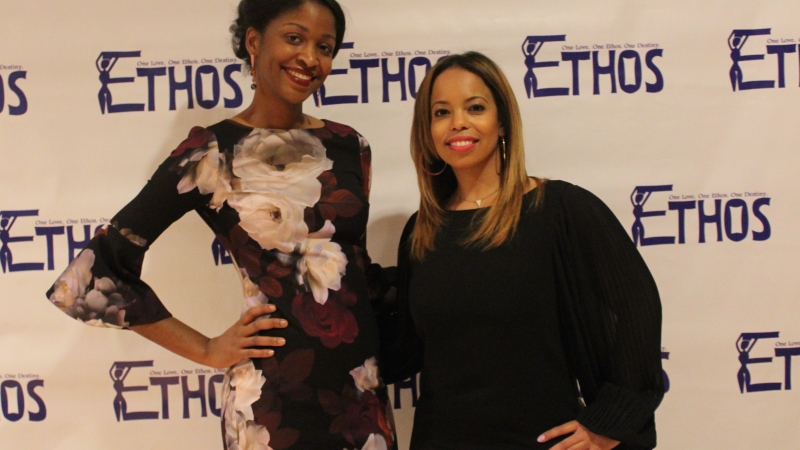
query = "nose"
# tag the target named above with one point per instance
(459, 120)
(307, 56)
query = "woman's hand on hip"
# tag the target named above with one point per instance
(581, 439)
(239, 342)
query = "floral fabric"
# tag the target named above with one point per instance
(291, 208)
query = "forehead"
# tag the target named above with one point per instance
(459, 84)
(311, 16)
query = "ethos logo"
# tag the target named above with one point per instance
(78, 234)
(740, 214)
(199, 80)
(198, 385)
(612, 65)
(779, 47)
(786, 350)
(18, 396)
(11, 93)
(398, 72)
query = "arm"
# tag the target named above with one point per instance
(611, 321)
(103, 285)
(402, 348)
(234, 345)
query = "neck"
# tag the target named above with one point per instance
(266, 112)
(476, 183)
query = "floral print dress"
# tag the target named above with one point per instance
(291, 208)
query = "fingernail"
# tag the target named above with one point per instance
(270, 352)
(540, 438)
(283, 323)
(281, 341)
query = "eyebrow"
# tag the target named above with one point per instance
(304, 28)
(476, 97)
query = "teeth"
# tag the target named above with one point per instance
(299, 75)
(461, 143)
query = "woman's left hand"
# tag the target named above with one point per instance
(581, 439)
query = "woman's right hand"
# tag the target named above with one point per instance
(238, 342)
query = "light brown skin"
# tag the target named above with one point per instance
(299, 41)
(463, 110)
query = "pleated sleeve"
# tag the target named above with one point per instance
(611, 321)
(102, 286)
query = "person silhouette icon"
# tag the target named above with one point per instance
(736, 42)
(104, 65)
(638, 199)
(530, 48)
(118, 372)
(6, 258)
(744, 345)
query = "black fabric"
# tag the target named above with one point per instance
(502, 335)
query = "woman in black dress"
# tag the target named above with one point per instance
(530, 313)
(287, 194)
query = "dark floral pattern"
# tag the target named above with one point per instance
(291, 209)
(333, 322)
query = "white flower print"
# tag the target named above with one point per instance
(101, 306)
(271, 220)
(203, 175)
(252, 294)
(73, 282)
(323, 263)
(286, 163)
(366, 376)
(242, 388)
(375, 442)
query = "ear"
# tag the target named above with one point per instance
(252, 41)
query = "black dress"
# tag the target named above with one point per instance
(508, 339)
(291, 208)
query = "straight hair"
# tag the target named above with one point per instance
(437, 181)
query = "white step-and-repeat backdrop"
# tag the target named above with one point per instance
(682, 116)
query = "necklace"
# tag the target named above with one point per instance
(480, 200)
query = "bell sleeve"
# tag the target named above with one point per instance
(102, 286)
(611, 321)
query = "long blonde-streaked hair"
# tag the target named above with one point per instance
(499, 222)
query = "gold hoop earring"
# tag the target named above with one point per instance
(503, 152)
(437, 173)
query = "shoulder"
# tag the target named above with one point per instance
(569, 196)
(342, 133)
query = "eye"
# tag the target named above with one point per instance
(293, 38)
(326, 49)
(477, 107)
(440, 112)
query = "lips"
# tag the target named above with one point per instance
(303, 78)
(461, 143)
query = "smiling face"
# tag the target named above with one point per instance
(464, 121)
(294, 53)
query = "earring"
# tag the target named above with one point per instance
(503, 153)
(253, 71)
(437, 173)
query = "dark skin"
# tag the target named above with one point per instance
(293, 56)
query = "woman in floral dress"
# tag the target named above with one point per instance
(287, 194)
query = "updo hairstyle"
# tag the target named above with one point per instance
(259, 13)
